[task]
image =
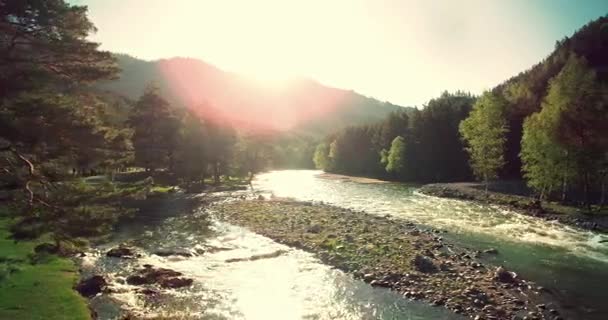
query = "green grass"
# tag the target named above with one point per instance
(36, 291)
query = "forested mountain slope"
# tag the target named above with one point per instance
(525, 92)
(302, 105)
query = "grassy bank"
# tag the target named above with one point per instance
(394, 254)
(41, 290)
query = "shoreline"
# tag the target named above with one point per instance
(520, 204)
(394, 254)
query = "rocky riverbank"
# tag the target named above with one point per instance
(519, 204)
(395, 254)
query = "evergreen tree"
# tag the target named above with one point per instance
(192, 151)
(155, 127)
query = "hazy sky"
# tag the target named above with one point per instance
(402, 51)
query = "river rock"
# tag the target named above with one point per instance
(91, 286)
(501, 274)
(175, 282)
(424, 264)
(315, 228)
(122, 252)
(166, 278)
(173, 252)
(491, 251)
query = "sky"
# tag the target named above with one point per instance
(402, 51)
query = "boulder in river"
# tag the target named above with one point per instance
(173, 252)
(122, 252)
(166, 278)
(91, 286)
(491, 251)
(503, 275)
(175, 282)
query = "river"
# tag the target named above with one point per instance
(572, 264)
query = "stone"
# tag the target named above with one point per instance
(424, 264)
(92, 286)
(121, 252)
(175, 282)
(491, 251)
(136, 280)
(315, 228)
(501, 274)
(166, 278)
(173, 252)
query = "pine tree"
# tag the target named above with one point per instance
(155, 128)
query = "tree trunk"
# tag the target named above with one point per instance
(603, 195)
(564, 188)
(485, 180)
(586, 191)
(216, 173)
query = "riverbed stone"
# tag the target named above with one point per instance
(378, 247)
(122, 252)
(166, 278)
(91, 286)
(491, 251)
(501, 274)
(424, 264)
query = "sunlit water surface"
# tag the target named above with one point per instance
(294, 285)
(572, 263)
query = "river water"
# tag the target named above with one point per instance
(572, 264)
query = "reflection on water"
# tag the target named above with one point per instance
(573, 262)
(294, 285)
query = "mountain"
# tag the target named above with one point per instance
(300, 105)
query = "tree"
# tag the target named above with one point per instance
(46, 124)
(222, 140)
(155, 127)
(321, 157)
(45, 43)
(546, 165)
(484, 132)
(566, 140)
(253, 153)
(396, 157)
(192, 150)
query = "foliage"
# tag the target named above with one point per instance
(155, 127)
(321, 157)
(567, 140)
(484, 131)
(434, 150)
(395, 160)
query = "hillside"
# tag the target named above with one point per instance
(302, 105)
(524, 92)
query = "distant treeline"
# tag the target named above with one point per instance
(548, 125)
(413, 145)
